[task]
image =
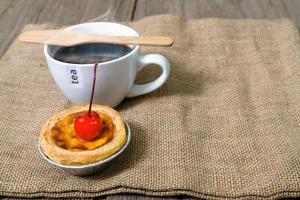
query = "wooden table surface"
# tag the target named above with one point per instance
(15, 14)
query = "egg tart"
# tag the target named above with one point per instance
(60, 143)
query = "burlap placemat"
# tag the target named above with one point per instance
(225, 124)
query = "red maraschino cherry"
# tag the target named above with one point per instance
(88, 125)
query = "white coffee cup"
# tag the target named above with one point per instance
(115, 78)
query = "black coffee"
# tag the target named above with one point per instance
(91, 53)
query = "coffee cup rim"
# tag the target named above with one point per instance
(134, 49)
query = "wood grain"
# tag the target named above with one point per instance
(15, 14)
(72, 38)
(236, 9)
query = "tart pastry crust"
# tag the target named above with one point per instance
(68, 157)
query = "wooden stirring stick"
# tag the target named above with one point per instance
(71, 38)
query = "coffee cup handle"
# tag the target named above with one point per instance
(145, 60)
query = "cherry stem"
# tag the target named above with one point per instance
(94, 81)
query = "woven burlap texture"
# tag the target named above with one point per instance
(224, 125)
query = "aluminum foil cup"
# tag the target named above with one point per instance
(89, 169)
